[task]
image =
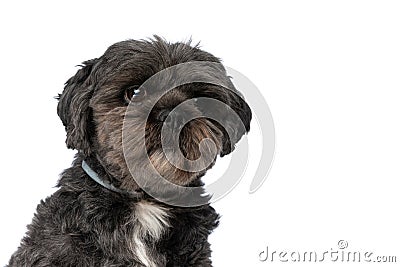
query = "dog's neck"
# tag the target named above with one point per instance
(108, 185)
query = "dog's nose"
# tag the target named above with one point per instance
(163, 114)
(174, 120)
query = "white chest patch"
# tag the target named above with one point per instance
(151, 221)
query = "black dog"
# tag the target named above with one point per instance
(100, 216)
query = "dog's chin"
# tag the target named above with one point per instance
(183, 161)
(180, 172)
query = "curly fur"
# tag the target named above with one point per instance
(85, 224)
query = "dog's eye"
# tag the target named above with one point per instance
(134, 93)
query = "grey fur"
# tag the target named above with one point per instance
(85, 224)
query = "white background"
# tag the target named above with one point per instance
(329, 71)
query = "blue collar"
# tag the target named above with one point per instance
(95, 177)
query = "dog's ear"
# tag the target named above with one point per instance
(73, 108)
(242, 109)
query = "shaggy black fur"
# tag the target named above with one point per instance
(85, 224)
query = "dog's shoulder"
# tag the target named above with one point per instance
(186, 242)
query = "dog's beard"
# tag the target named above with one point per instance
(141, 155)
(180, 157)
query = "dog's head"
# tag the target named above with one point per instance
(108, 90)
